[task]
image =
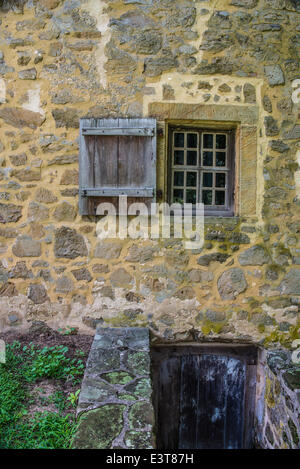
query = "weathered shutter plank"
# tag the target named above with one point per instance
(132, 165)
(86, 164)
(135, 157)
(150, 149)
(106, 157)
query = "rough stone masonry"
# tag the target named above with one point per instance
(230, 61)
(115, 409)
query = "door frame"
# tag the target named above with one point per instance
(248, 354)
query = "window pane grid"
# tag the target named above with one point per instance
(185, 149)
(200, 171)
(185, 186)
(214, 185)
(214, 150)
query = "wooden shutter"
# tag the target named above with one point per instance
(117, 157)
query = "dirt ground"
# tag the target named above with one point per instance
(41, 336)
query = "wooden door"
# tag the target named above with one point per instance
(203, 400)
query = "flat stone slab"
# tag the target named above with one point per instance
(115, 408)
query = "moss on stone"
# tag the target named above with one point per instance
(118, 377)
(261, 328)
(294, 432)
(269, 394)
(124, 321)
(140, 388)
(205, 329)
(138, 362)
(140, 415)
(139, 440)
(126, 397)
(292, 378)
(212, 327)
(98, 428)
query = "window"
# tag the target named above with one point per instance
(117, 157)
(201, 169)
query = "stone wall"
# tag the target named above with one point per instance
(115, 408)
(278, 402)
(231, 60)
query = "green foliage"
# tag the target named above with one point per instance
(46, 430)
(12, 392)
(73, 397)
(51, 362)
(58, 399)
(68, 331)
(43, 430)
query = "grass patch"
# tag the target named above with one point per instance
(46, 430)
(51, 362)
(22, 378)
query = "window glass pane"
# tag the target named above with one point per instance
(208, 141)
(220, 179)
(191, 158)
(220, 198)
(207, 158)
(178, 178)
(199, 167)
(191, 179)
(178, 157)
(192, 140)
(220, 142)
(207, 197)
(178, 196)
(207, 179)
(191, 196)
(178, 139)
(220, 158)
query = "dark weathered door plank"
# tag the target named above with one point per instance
(168, 403)
(235, 404)
(211, 401)
(188, 402)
